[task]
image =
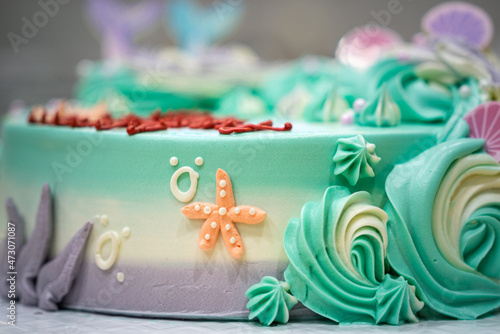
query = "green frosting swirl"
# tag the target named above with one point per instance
(355, 158)
(336, 251)
(380, 112)
(270, 301)
(444, 227)
(417, 99)
(326, 105)
(242, 102)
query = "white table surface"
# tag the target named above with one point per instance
(34, 320)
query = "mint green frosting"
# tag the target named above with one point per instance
(311, 72)
(355, 158)
(326, 105)
(419, 101)
(456, 127)
(396, 289)
(381, 73)
(478, 245)
(380, 112)
(124, 91)
(293, 105)
(242, 102)
(336, 251)
(444, 226)
(270, 301)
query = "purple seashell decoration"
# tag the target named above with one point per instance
(363, 46)
(484, 122)
(119, 22)
(462, 21)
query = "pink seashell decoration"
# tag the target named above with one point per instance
(462, 21)
(363, 46)
(484, 122)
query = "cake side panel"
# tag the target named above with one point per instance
(122, 184)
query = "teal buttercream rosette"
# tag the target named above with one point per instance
(394, 93)
(337, 266)
(269, 301)
(444, 220)
(444, 227)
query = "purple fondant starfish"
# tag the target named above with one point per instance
(35, 252)
(57, 276)
(15, 230)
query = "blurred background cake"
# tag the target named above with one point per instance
(44, 65)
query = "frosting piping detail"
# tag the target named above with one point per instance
(184, 196)
(269, 301)
(443, 228)
(355, 158)
(337, 268)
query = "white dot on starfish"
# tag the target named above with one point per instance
(197, 207)
(214, 224)
(232, 240)
(222, 211)
(198, 161)
(207, 236)
(222, 183)
(252, 212)
(222, 193)
(207, 210)
(228, 227)
(237, 210)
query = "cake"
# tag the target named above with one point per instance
(359, 194)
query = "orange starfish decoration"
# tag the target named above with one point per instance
(222, 216)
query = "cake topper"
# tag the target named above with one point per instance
(196, 28)
(119, 23)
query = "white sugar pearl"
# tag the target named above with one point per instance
(214, 224)
(207, 210)
(222, 211)
(207, 236)
(228, 227)
(237, 210)
(174, 161)
(347, 118)
(222, 183)
(232, 240)
(359, 105)
(252, 212)
(222, 193)
(197, 207)
(465, 91)
(198, 161)
(120, 277)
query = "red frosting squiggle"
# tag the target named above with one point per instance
(158, 121)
